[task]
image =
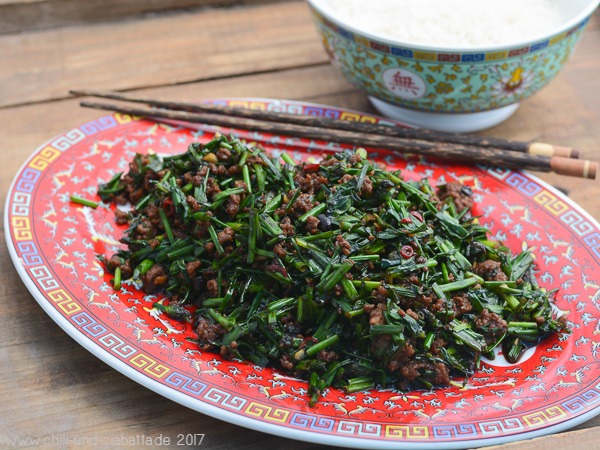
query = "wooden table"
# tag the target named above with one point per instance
(52, 386)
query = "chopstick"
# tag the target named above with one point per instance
(468, 154)
(534, 148)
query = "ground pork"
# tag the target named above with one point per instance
(224, 154)
(233, 205)
(438, 371)
(286, 362)
(462, 305)
(490, 323)
(279, 250)
(193, 203)
(343, 244)
(192, 267)
(122, 217)
(490, 270)
(287, 227)
(309, 183)
(460, 195)
(327, 356)
(400, 356)
(212, 288)
(367, 187)
(208, 333)
(375, 313)
(154, 279)
(303, 203)
(115, 261)
(312, 225)
(226, 236)
(380, 295)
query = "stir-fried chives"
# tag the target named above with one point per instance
(313, 212)
(339, 272)
(322, 345)
(458, 285)
(359, 384)
(117, 279)
(166, 225)
(84, 201)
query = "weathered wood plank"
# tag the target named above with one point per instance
(18, 16)
(128, 55)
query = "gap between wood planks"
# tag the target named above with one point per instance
(231, 76)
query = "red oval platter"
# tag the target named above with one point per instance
(54, 243)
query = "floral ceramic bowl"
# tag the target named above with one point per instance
(449, 89)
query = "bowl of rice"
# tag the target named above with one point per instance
(450, 65)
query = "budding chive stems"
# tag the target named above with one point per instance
(386, 329)
(166, 225)
(359, 258)
(444, 268)
(524, 330)
(529, 325)
(464, 333)
(320, 236)
(279, 277)
(143, 267)
(181, 252)
(268, 254)
(215, 240)
(281, 303)
(287, 159)
(117, 279)
(428, 340)
(270, 225)
(143, 202)
(327, 283)
(220, 319)
(84, 202)
(260, 177)
(273, 204)
(512, 302)
(114, 186)
(246, 175)
(359, 384)
(322, 345)
(313, 212)
(458, 285)
(504, 286)
(349, 289)
(367, 284)
(216, 302)
(295, 195)
(394, 179)
(355, 313)
(253, 224)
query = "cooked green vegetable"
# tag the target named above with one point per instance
(341, 272)
(83, 201)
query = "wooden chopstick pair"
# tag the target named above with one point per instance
(467, 149)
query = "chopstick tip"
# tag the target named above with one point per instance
(549, 150)
(581, 168)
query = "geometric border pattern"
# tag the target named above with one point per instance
(444, 57)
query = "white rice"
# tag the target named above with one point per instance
(449, 23)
